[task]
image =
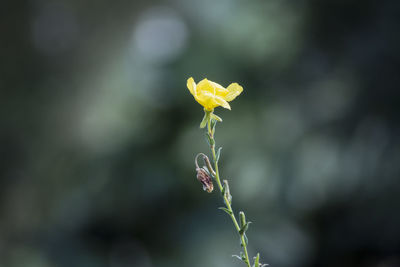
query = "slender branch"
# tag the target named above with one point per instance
(226, 200)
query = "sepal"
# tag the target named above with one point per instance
(205, 119)
(215, 117)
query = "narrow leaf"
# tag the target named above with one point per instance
(218, 154)
(236, 256)
(226, 210)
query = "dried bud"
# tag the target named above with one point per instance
(205, 179)
(203, 173)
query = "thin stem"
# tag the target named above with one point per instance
(213, 154)
(226, 201)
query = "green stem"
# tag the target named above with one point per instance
(226, 201)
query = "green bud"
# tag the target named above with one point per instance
(257, 260)
(242, 219)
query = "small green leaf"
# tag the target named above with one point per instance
(242, 257)
(226, 210)
(218, 154)
(244, 228)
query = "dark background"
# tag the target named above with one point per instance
(99, 132)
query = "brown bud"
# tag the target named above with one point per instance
(205, 179)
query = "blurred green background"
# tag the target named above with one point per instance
(99, 132)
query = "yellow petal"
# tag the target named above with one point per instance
(208, 103)
(219, 90)
(206, 99)
(191, 85)
(234, 90)
(205, 85)
(221, 102)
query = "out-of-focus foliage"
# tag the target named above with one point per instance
(98, 132)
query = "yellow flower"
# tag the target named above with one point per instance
(211, 95)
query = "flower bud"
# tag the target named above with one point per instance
(242, 218)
